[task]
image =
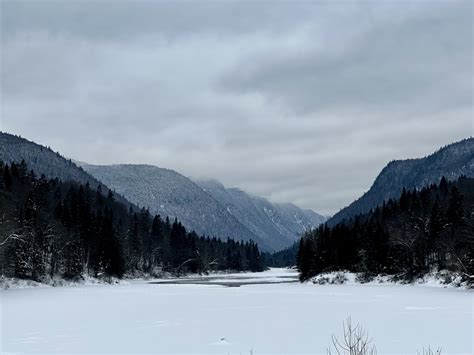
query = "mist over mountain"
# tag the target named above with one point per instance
(168, 193)
(207, 207)
(450, 161)
(210, 208)
(279, 223)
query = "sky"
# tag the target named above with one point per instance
(296, 101)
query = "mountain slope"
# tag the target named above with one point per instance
(420, 231)
(207, 206)
(43, 160)
(451, 161)
(65, 229)
(280, 224)
(168, 193)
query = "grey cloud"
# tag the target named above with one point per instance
(301, 102)
(126, 19)
(416, 63)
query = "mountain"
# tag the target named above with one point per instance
(280, 224)
(168, 193)
(420, 231)
(52, 228)
(451, 161)
(207, 207)
(43, 160)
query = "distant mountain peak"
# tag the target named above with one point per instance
(281, 223)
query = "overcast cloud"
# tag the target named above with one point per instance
(301, 102)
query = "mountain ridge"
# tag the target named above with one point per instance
(43, 160)
(199, 207)
(284, 221)
(165, 192)
(168, 193)
(450, 161)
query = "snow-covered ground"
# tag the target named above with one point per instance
(443, 278)
(205, 315)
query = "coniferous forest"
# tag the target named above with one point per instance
(424, 230)
(282, 258)
(52, 228)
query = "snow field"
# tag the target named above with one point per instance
(284, 318)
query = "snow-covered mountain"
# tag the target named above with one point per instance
(168, 193)
(233, 214)
(279, 223)
(451, 162)
(207, 207)
(43, 160)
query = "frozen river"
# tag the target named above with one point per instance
(266, 312)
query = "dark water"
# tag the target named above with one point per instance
(228, 281)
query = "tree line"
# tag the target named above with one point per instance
(423, 230)
(49, 227)
(282, 258)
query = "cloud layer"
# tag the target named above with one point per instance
(300, 102)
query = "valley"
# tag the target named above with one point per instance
(267, 314)
(236, 177)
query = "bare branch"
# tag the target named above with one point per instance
(12, 237)
(355, 341)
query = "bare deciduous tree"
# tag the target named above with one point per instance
(355, 341)
(429, 351)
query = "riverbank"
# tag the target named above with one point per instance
(443, 278)
(271, 275)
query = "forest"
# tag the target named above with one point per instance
(423, 230)
(52, 228)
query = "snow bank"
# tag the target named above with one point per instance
(272, 274)
(14, 283)
(443, 278)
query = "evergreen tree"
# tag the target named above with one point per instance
(422, 230)
(68, 229)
